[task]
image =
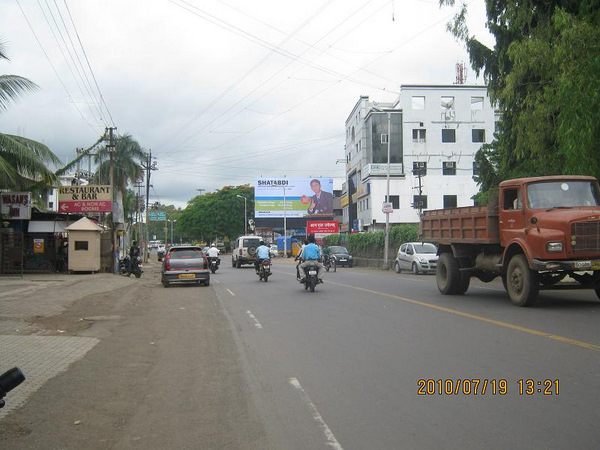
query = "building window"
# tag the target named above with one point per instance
(419, 168)
(449, 168)
(475, 168)
(418, 135)
(448, 135)
(476, 103)
(420, 202)
(447, 103)
(477, 135)
(81, 245)
(384, 138)
(338, 212)
(418, 102)
(367, 202)
(395, 201)
(352, 132)
(450, 201)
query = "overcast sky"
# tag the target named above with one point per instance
(222, 91)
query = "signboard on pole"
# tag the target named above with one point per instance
(85, 199)
(387, 208)
(322, 228)
(157, 216)
(15, 205)
(304, 198)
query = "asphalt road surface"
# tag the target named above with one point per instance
(247, 364)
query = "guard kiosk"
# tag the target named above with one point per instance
(84, 246)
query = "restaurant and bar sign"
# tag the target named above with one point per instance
(15, 205)
(85, 199)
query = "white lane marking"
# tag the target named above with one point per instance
(330, 438)
(232, 294)
(256, 322)
(217, 281)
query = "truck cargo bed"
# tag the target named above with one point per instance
(466, 225)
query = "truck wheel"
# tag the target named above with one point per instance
(522, 283)
(463, 284)
(447, 275)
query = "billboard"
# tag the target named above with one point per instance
(322, 228)
(15, 205)
(304, 197)
(85, 199)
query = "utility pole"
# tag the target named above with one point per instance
(419, 173)
(387, 198)
(149, 166)
(111, 147)
(245, 215)
(284, 225)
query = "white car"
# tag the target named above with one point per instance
(273, 250)
(417, 257)
(244, 250)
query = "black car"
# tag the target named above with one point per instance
(341, 256)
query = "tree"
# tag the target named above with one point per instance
(542, 74)
(23, 162)
(127, 167)
(217, 215)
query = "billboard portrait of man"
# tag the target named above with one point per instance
(322, 202)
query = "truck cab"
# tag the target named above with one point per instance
(554, 221)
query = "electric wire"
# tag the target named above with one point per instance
(56, 72)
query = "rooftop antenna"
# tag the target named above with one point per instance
(393, 11)
(461, 73)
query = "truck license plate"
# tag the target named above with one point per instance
(312, 272)
(596, 264)
(187, 275)
(583, 264)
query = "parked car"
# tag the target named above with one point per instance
(185, 264)
(273, 250)
(417, 257)
(244, 250)
(341, 256)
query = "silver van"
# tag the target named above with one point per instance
(417, 257)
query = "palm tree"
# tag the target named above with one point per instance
(127, 160)
(23, 162)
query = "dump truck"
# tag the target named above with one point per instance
(535, 233)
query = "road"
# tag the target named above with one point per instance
(247, 364)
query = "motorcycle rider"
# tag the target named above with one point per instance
(213, 252)
(311, 256)
(134, 252)
(262, 252)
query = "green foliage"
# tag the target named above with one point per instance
(542, 75)
(217, 215)
(23, 162)
(371, 244)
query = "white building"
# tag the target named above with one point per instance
(435, 129)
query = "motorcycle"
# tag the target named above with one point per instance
(214, 262)
(264, 270)
(8, 381)
(329, 264)
(126, 267)
(310, 279)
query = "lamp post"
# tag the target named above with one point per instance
(245, 214)
(112, 148)
(172, 226)
(387, 198)
(284, 224)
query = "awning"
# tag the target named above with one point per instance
(48, 226)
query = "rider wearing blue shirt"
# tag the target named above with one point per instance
(311, 256)
(263, 252)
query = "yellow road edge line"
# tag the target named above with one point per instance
(499, 323)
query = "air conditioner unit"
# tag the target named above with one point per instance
(450, 164)
(420, 164)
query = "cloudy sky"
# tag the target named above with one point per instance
(221, 91)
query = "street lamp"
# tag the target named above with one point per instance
(387, 196)
(172, 225)
(284, 224)
(245, 214)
